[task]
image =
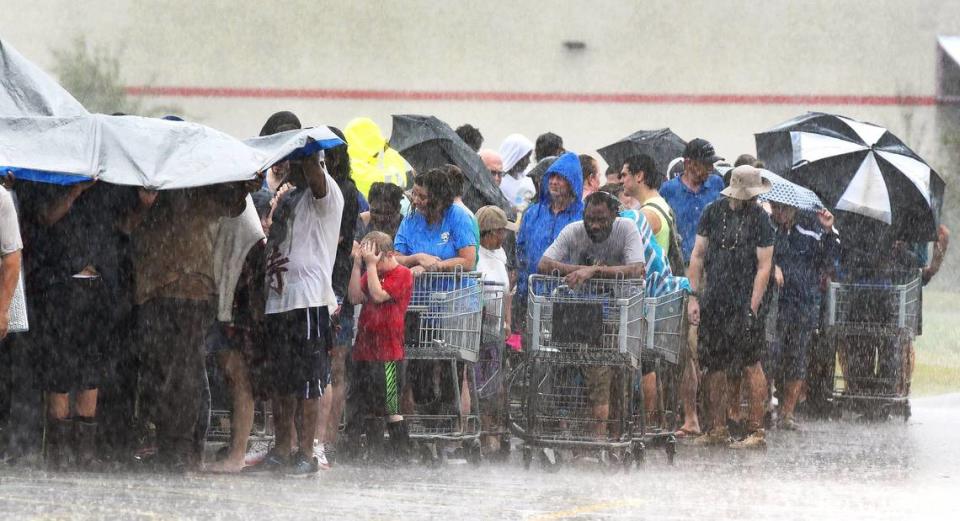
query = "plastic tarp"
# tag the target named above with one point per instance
(46, 135)
(138, 151)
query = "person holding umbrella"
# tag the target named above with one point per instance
(804, 249)
(734, 249)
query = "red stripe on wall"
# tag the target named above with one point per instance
(535, 97)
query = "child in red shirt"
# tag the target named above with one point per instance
(384, 288)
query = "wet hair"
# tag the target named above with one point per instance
(387, 193)
(548, 144)
(614, 189)
(456, 179)
(382, 241)
(744, 159)
(589, 166)
(471, 136)
(438, 187)
(279, 122)
(612, 171)
(605, 198)
(644, 163)
(337, 158)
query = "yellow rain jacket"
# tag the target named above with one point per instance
(370, 158)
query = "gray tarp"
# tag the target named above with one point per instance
(47, 136)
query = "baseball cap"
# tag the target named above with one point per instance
(493, 218)
(701, 150)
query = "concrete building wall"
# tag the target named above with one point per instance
(740, 54)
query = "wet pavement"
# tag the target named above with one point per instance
(833, 470)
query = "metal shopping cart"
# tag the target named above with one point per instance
(872, 319)
(583, 345)
(442, 338)
(664, 349)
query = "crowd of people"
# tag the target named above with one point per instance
(296, 285)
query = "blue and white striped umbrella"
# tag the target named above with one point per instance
(789, 193)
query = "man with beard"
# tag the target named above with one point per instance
(734, 249)
(601, 246)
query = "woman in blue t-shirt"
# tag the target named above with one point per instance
(438, 235)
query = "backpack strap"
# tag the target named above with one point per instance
(668, 217)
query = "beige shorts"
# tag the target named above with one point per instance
(603, 383)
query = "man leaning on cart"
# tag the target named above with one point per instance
(601, 246)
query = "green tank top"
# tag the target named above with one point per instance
(662, 209)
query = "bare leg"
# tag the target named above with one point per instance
(756, 395)
(311, 413)
(335, 397)
(465, 394)
(283, 410)
(601, 413)
(58, 406)
(715, 384)
(791, 396)
(241, 420)
(733, 398)
(690, 385)
(87, 403)
(649, 383)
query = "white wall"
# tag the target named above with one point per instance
(883, 48)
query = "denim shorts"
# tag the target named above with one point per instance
(345, 330)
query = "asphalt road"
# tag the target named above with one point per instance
(833, 470)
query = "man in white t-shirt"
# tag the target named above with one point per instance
(301, 249)
(10, 246)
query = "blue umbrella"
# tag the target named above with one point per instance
(789, 193)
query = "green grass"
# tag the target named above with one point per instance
(938, 349)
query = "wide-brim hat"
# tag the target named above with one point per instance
(746, 183)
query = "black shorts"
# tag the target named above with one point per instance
(77, 324)
(375, 387)
(725, 344)
(296, 349)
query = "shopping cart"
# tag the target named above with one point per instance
(871, 320)
(442, 337)
(663, 349)
(491, 368)
(583, 343)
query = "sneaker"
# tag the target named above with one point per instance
(713, 438)
(272, 462)
(754, 440)
(303, 466)
(320, 453)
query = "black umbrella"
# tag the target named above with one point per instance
(859, 168)
(661, 144)
(426, 142)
